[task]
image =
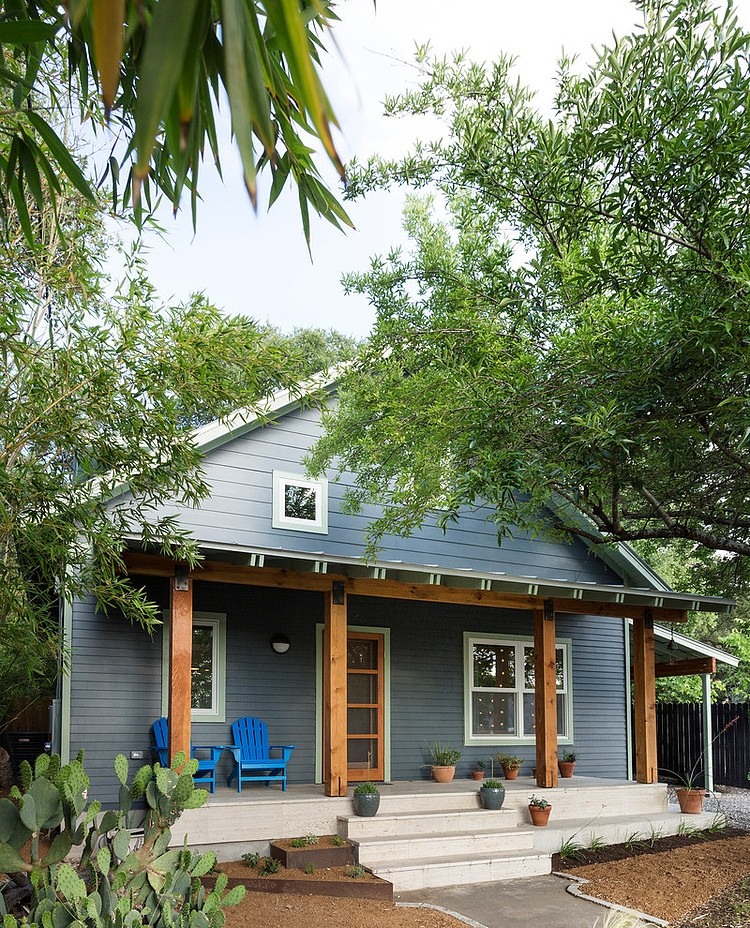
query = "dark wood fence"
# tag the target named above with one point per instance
(679, 734)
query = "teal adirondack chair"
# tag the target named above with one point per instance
(206, 773)
(252, 754)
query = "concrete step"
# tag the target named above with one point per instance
(447, 845)
(442, 797)
(388, 824)
(432, 872)
(616, 829)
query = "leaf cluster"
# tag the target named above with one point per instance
(570, 324)
(155, 73)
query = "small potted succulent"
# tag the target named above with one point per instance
(366, 798)
(566, 764)
(539, 810)
(478, 772)
(492, 794)
(510, 764)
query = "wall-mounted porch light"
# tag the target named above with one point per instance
(280, 643)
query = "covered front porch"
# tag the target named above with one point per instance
(431, 834)
(542, 604)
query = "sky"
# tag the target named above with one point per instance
(259, 265)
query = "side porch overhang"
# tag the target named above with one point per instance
(338, 578)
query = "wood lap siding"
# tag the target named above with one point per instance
(115, 693)
(239, 512)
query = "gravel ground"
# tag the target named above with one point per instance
(732, 801)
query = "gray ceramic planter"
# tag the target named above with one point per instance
(492, 798)
(366, 803)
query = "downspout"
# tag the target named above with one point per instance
(708, 734)
(628, 707)
(65, 687)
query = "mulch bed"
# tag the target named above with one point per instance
(637, 848)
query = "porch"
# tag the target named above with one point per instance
(429, 834)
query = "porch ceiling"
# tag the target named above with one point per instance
(318, 569)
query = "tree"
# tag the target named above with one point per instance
(160, 68)
(99, 392)
(571, 324)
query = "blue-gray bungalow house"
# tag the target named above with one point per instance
(523, 647)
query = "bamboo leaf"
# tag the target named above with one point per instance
(166, 46)
(108, 19)
(26, 32)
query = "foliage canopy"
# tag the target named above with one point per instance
(156, 71)
(571, 322)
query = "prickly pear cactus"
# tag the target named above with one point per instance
(117, 884)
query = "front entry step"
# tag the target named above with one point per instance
(434, 872)
(430, 849)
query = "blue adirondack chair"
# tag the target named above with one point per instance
(252, 754)
(206, 773)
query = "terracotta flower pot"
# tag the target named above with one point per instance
(690, 800)
(566, 768)
(443, 774)
(510, 773)
(477, 774)
(539, 815)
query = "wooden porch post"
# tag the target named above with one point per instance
(644, 696)
(334, 676)
(180, 661)
(545, 679)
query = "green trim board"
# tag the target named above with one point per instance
(217, 621)
(66, 682)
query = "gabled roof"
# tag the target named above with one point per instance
(641, 584)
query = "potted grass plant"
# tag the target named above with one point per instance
(366, 799)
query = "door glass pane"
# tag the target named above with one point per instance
(494, 713)
(362, 753)
(362, 721)
(362, 688)
(202, 674)
(362, 655)
(495, 665)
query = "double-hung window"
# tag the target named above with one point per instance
(500, 689)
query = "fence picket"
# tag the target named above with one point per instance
(679, 734)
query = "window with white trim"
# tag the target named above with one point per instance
(500, 692)
(208, 667)
(299, 503)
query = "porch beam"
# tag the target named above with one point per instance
(545, 698)
(684, 668)
(180, 661)
(281, 578)
(644, 695)
(334, 683)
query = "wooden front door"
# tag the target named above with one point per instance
(365, 706)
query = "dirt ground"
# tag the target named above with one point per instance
(683, 879)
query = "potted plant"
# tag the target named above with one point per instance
(492, 794)
(690, 789)
(510, 764)
(567, 763)
(478, 772)
(366, 799)
(539, 810)
(444, 761)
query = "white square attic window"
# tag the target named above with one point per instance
(299, 503)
